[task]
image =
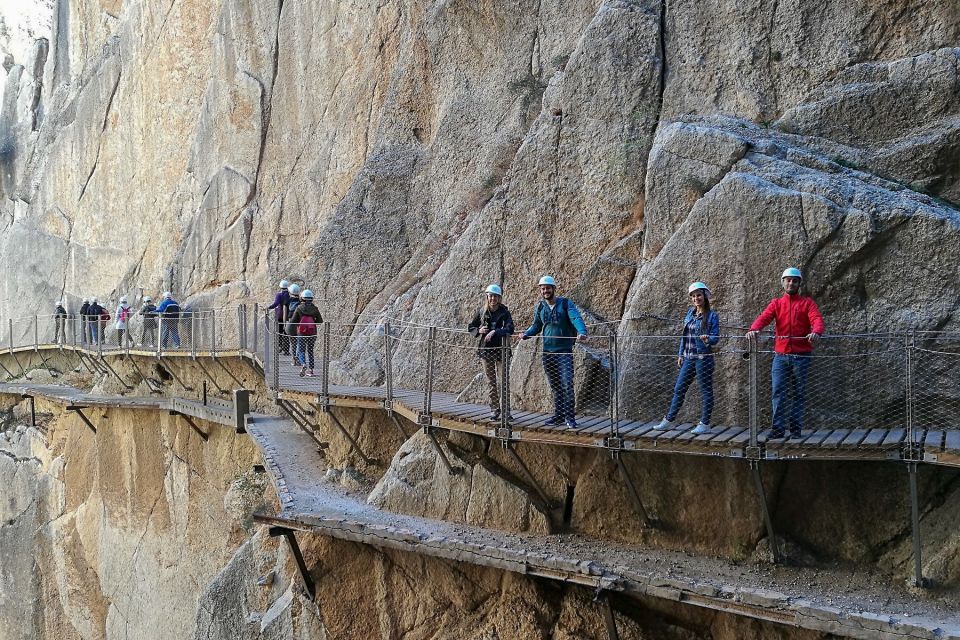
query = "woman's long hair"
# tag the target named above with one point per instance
(704, 321)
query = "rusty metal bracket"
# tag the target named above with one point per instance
(346, 434)
(633, 493)
(302, 423)
(452, 470)
(298, 557)
(173, 375)
(203, 434)
(78, 409)
(396, 422)
(147, 380)
(115, 374)
(228, 372)
(209, 377)
(533, 481)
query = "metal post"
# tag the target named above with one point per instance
(193, 334)
(754, 418)
(160, 321)
(388, 367)
(36, 334)
(506, 430)
(241, 409)
(213, 333)
(915, 521)
(426, 418)
(325, 364)
(242, 326)
(768, 521)
(908, 390)
(256, 327)
(276, 362)
(614, 388)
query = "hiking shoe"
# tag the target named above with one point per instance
(571, 424)
(555, 421)
(310, 373)
(303, 371)
(775, 434)
(700, 428)
(664, 425)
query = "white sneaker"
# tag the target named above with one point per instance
(700, 428)
(664, 425)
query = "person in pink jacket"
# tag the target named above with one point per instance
(799, 325)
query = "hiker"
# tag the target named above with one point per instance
(169, 312)
(123, 317)
(560, 322)
(60, 324)
(279, 307)
(84, 328)
(290, 329)
(701, 331)
(94, 312)
(493, 325)
(305, 319)
(148, 332)
(799, 325)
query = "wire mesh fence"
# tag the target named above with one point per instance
(637, 371)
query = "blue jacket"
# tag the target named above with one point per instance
(166, 303)
(280, 302)
(713, 331)
(560, 327)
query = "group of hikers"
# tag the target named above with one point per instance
(94, 320)
(798, 326)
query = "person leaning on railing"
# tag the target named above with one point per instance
(492, 325)
(169, 312)
(799, 325)
(148, 331)
(701, 331)
(559, 320)
(84, 328)
(279, 308)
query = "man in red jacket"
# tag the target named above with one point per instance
(798, 327)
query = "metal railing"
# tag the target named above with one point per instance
(626, 373)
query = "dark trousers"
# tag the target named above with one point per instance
(559, 370)
(282, 340)
(702, 370)
(789, 377)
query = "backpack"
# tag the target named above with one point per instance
(124, 314)
(291, 308)
(172, 311)
(307, 326)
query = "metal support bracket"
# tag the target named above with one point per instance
(33, 409)
(78, 409)
(147, 380)
(633, 493)
(346, 434)
(608, 618)
(533, 481)
(768, 521)
(452, 470)
(918, 580)
(9, 373)
(174, 375)
(213, 380)
(399, 426)
(228, 372)
(203, 434)
(291, 538)
(754, 453)
(302, 423)
(115, 374)
(241, 409)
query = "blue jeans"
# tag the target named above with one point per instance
(303, 347)
(93, 325)
(789, 375)
(559, 370)
(702, 370)
(168, 330)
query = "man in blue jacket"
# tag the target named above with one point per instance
(560, 322)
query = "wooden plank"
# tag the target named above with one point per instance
(715, 432)
(952, 441)
(874, 438)
(933, 441)
(632, 427)
(815, 438)
(728, 435)
(893, 438)
(853, 439)
(834, 439)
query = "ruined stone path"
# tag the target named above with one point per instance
(858, 605)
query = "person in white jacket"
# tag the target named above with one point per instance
(123, 316)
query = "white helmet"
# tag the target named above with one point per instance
(792, 272)
(307, 295)
(167, 294)
(86, 301)
(60, 303)
(696, 286)
(494, 289)
(93, 301)
(147, 299)
(123, 299)
(284, 284)
(547, 280)
(294, 289)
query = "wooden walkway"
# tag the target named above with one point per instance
(933, 446)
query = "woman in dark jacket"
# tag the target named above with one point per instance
(306, 318)
(701, 331)
(493, 325)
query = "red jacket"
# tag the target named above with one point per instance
(796, 317)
